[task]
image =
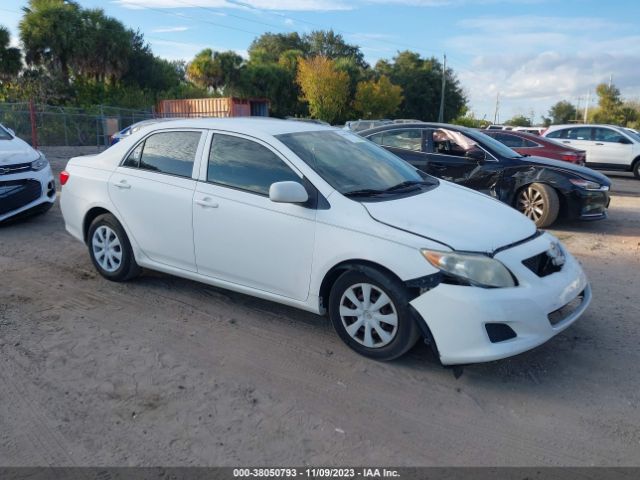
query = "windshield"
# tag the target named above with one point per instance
(4, 134)
(350, 163)
(498, 147)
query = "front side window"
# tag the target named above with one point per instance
(608, 135)
(240, 163)
(349, 162)
(450, 142)
(407, 139)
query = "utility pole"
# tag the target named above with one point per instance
(610, 80)
(578, 108)
(444, 84)
(586, 107)
(496, 117)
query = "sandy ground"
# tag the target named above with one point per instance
(164, 371)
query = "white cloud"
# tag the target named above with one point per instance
(288, 21)
(543, 59)
(170, 29)
(287, 5)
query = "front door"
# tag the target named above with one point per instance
(610, 148)
(240, 235)
(153, 192)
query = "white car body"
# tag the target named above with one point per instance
(602, 144)
(285, 252)
(22, 189)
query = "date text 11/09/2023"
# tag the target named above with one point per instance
(315, 473)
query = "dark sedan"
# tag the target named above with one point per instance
(541, 188)
(528, 144)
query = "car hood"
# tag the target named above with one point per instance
(16, 151)
(583, 172)
(461, 218)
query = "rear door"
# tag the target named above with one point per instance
(577, 137)
(153, 192)
(240, 235)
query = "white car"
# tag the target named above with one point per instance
(324, 220)
(26, 180)
(608, 147)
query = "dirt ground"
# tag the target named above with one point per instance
(165, 371)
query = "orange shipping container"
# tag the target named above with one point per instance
(213, 107)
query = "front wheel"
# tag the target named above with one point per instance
(540, 203)
(636, 169)
(110, 250)
(370, 312)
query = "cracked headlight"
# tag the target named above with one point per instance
(471, 269)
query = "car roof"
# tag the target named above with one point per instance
(580, 125)
(249, 125)
(401, 126)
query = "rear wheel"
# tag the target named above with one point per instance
(540, 203)
(110, 249)
(370, 312)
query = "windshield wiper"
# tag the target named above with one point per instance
(365, 192)
(408, 183)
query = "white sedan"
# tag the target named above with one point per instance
(326, 221)
(26, 180)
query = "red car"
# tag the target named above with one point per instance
(534, 145)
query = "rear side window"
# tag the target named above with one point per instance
(529, 143)
(509, 140)
(556, 134)
(244, 164)
(172, 153)
(407, 139)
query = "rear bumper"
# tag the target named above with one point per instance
(26, 192)
(457, 316)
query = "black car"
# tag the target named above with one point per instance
(541, 188)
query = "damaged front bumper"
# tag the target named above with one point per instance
(472, 324)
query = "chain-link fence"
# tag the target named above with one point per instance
(67, 126)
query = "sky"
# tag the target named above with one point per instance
(530, 53)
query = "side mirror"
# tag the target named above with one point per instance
(13, 134)
(476, 154)
(624, 141)
(288, 192)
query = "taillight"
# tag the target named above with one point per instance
(570, 157)
(64, 177)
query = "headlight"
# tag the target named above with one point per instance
(39, 163)
(586, 184)
(472, 269)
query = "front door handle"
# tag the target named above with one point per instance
(566, 141)
(122, 184)
(207, 203)
(597, 143)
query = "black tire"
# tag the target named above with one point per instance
(540, 203)
(406, 332)
(636, 168)
(127, 267)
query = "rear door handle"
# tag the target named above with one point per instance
(566, 141)
(206, 203)
(597, 143)
(122, 184)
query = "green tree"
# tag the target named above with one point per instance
(10, 57)
(609, 105)
(519, 121)
(421, 82)
(215, 70)
(562, 112)
(377, 99)
(327, 43)
(323, 86)
(49, 31)
(269, 47)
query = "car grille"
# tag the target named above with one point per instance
(17, 193)
(557, 316)
(11, 169)
(541, 264)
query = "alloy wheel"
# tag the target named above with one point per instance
(368, 315)
(531, 203)
(107, 249)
